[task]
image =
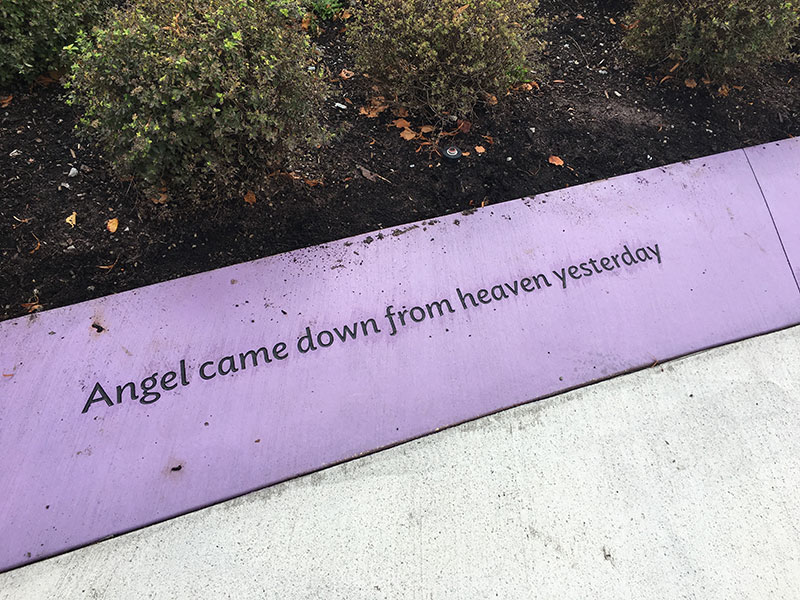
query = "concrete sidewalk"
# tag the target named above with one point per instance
(679, 481)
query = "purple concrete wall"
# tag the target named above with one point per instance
(709, 269)
(777, 168)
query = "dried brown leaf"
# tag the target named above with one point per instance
(480, 149)
(112, 225)
(408, 134)
(31, 306)
(367, 174)
(250, 197)
(401, 123)
(376, 106)
(72, 219)
(460, 10)
(556, 160)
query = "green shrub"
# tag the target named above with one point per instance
(715, 37)
(33, 33)
(325, 9)
(447, 55)
(187, 94)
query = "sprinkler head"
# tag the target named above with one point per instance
(452, 153)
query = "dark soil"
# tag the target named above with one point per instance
(596, 108)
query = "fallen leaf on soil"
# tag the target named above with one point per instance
(370, 175)
(109, 267)
(408, 134)
(580, 17)
(480, 149)
(72, 219)
(312, 182)
(491, 100)
(345, 74)
(675, 66)
(5, 101)
(738, 88)
(426, 128)
(463, 126)
(665, 78)
(723, 90)
(555, 160)
(306, 21)
(376, 106)
(161, 199)
(250, 197)
(112, 225)
(346, 14)
(32, 306)
(612, 21)
(291, 175)
(489, 139)
(400, 111)
(401, 123)
(706, 80)
(690, 83)
(466, 153)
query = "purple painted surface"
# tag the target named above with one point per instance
(69, 478)
(777, 169)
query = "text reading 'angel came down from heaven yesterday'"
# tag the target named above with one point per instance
(152, 387)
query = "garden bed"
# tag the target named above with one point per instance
(595, 108)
